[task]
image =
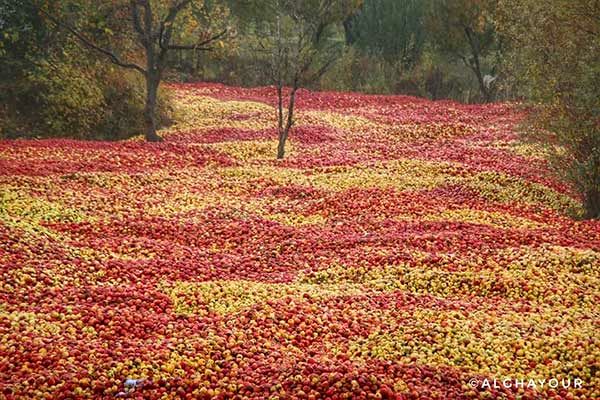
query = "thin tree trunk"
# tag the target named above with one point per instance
(281, 146)
(280, 106)
(484, 91)
(290, 115)
(348, 34)
(285, 130)
(280, 128)
(592, 203)
(476, 64)
(152, 83)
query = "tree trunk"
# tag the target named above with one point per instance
(484, 90)
(592, 204)
(283, 134)
(280, 128)
(285, 130)
(348, 34)
(475, 64)
(152, 83)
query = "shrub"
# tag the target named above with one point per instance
(553, 59)
(64, 99)
(124, 96)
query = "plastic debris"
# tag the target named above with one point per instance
(133, 383)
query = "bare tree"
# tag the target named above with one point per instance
(301, 50)
(154, 32)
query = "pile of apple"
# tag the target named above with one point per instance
(403, 249)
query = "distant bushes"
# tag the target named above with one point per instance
(431, 77)
(391, 47)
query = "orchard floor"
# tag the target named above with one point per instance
(403, 249)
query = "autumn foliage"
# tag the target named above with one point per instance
(402, 248)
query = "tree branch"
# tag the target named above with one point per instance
(114, 58)
(137, 24)
(324, 68)
(197, 46)
(168, 23)
(148, 21)
(174, 10)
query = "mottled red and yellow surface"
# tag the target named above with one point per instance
(402, 248)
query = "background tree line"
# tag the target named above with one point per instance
(88, 69)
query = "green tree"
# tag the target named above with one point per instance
(554, 60)
(33, 90)
(152, 27)
(391, 29)
(464, 29)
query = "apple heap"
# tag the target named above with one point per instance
(403, 248)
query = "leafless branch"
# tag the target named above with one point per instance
(199, 45)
